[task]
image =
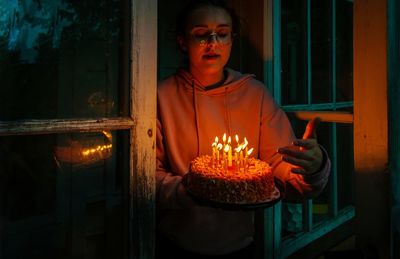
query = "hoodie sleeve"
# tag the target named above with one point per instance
(171, 194)
(277, 132)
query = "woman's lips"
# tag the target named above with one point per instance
(211, 56)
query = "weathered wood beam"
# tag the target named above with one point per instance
(33, 127)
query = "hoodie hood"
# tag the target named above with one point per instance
(233, 80)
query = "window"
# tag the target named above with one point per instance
(76, 157)
(316, 80)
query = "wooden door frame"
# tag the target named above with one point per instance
(371, 127)
(142, 189)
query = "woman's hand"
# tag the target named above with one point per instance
(305, 153)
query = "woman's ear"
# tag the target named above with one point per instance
(181, 43)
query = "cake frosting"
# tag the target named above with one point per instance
(252, 183)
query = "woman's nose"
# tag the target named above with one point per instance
(213, 38)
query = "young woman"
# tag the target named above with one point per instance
(206, 99)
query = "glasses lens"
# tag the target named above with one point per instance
(221, 37)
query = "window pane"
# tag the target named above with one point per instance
(345, 153)
(62, 196)
(344, 50)
(321, 47)
(294, 52)
(321, 203)
(62, 59)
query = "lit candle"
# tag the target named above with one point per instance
(226, 149)
(229, 152)
(214, 148)
(237, 162)
(245, 144)
(219, 147)
(248, 153)
(241, 156)
(214, 151)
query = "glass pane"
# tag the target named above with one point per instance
(345, 165)
(344, 50)
(294, 52)
(321, 47)
(62, 196)
(63, 58)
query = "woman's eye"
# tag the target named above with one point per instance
(223, 35)
(201, 33)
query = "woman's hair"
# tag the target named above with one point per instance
(192, 5)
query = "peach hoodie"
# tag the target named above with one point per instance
(189, 117)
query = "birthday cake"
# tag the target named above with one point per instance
(248, 182)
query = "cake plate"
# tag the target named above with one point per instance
(278, 195)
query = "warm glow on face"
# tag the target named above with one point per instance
(210, 19)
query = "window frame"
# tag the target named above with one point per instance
(269, 237)
(141, 123)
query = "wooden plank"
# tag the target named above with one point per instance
(326, 116)
(371, 127)
(143, 134)
(31, 127)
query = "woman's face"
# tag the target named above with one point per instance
(208, 40)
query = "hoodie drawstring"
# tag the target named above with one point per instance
(227, 113)
(196, 118)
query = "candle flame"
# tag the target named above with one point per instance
(224, 138)
(216, 139)
(245, 143)
(229, 140)
(237, 138)
(250, 151)
(226, 148)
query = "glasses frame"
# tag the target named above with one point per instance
(213, 36)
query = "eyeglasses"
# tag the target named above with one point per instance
(205, 37)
